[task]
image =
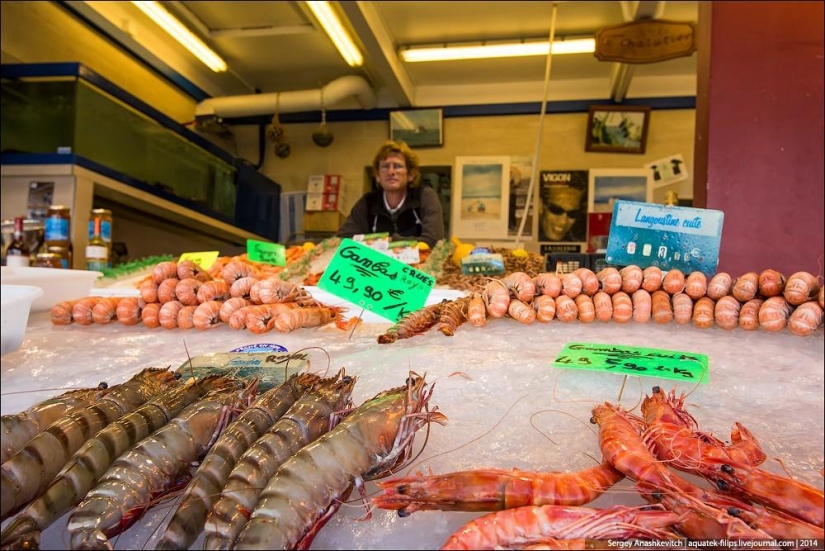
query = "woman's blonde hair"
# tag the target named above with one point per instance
(400, 148)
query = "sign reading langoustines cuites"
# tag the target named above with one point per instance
(635, 360)
(203, 259)
(269, 253)
(375, 281)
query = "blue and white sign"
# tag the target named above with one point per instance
(646, 234)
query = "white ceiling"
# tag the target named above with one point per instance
(279, 47)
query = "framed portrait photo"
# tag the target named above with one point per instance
(417, 127)
(617, 129)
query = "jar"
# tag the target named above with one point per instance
(57, 230)
(105, 216)
(63, 253)
(48, 260)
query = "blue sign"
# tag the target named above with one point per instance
(646, 234)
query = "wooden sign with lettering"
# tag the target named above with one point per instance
(646, 41)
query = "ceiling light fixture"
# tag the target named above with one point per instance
(497, 49)
(183, 35)
(336, 32)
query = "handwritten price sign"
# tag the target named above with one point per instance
(375, 281)
(632, 360)
(270, 253)
(202, 259)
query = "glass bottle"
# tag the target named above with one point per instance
(18, 253)
(97, 253)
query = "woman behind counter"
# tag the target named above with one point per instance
(400, 206)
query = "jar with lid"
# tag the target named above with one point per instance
(57, 226)
(105, 216)
(97, 253)
(18, 253)
(64, 253)
(48, 260)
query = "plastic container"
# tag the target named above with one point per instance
(58, 285)
(16, 304)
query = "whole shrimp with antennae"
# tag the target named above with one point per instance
(491, 489)
(314, 414)
(453, 314)
(520, 285)
(414, 323)
(204, 490)
(152, 467)
(370, 442)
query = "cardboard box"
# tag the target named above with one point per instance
(322, 201)
(324, 183)
(323, 221)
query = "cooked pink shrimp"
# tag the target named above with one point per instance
(163, 271)
(611, 280)
(806, 319)
(105, 310)
(703, 310)
(190, 268)
(726, 312)
(520, 285)
(166, 290)
(261, 318)
(237, 269)
(749, 314)
(237, 320)
(242, 287)
(186, 317)
(603, 305)
(719, 285)
(477, 311)
(632, 277)
(61, 313)
(652, 279)
(207, 315)
(149, 291)
(168, 314)
(149, 315)
(800, 287)
(660, 308)
(673, 281)
(566, 309)
(497, 297)
(590, 283)
(547, 283)
(230, 306)
(771, 283)
(545, 307)
(682, 308)
(696, 285)
(82, 310)
(217, 289)
(128, 310)
(521, 311)
(571, 285)
(587, 311)
(186, 291)
(745, 287)
(641, 306)
(773, 314)
(622, 307)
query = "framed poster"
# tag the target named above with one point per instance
(417, 127)
(563, 206)
(617, 129)
(608, 185)
(521, 170)
(481, 197)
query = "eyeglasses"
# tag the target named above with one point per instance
(385, 167)
(558, 210)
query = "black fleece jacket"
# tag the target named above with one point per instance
(420, 217)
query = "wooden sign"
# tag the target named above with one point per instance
(646, 41)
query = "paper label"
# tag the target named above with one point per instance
(482, 264)
(203, 259)
(269, 253)
(272, 368)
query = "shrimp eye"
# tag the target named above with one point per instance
(722, 485)
(657, 389)
(593, 419)
(402, 513)
(734, 511)
(658, 496)
(178, 375)
(347, 379)
(103, 385)
(727, 469)
(410, 381)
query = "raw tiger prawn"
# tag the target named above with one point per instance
(415, 323)
(306, 490)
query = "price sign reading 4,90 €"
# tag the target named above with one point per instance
(375, 281)
(270, 253)
(202, 259)
(633, 360)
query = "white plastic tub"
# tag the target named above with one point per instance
(16, 303)
(58, 285)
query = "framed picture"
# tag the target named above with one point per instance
(418, 127)
(481, 197)
(608, 185)
(617, 129)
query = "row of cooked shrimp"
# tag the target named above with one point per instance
(546, 510)
(587, 297)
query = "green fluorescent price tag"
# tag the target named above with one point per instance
(270, 253)
(204, 259)
(375, 281)
(634, 360)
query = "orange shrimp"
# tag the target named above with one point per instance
(632, 277)
(61, 313)
(603, 305)
(163, 271)
(749, 314)
(149, 291)
(236, 269)
(190, 268)
(186, 317)
(416, 323)
(207, 314)
(566, 309)
(82, 310)
(674, 281)
(726, 312)
(105, 310)
(822, 297)
(230, 306)
(703, 310)
(242, 287)
(590, 283)
(520, 285)
(186, 291)
(719, 285)
(547, 283)
(237, 320)
(660, 308)
(622, 307)
(571, 285)
(497, 298)
(587, 310)
(491, 489)
(800, 287)
(168, 314)
(477, 311)
(128, 310)
(215, 290)
(453, 313)
(745, 287)
(521, 311)
(545, 307)
(682, 308)
(259, 318)
(642, 305)
(149, 315)
(270, 291)
(611, 280)
(696, 285)
(805, 319)
(773, 314)
(166, 290)
(652, 279)
(296, 318)
(771, 283)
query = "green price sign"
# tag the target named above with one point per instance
(375, 281)
(633, 360)
(262, 251)
(203, 259)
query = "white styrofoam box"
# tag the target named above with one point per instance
(58, 285)
(16, 304)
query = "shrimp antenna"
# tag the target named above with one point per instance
(189, 358)
(321, 348)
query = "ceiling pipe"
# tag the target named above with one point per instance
(251, 105)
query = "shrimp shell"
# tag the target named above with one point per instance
(703, 310)
(696, 285)
(632, 277)
(822, 297)
(230, 306)
(520, 285)
(242, 287)
(521, 311)
(82, 310)
(674, 281)
(215, 290)
(149, 315)
(497, 298)
(773, 314)
(642, 305)
(566, 309)
(149, 291)
(652, 279)
(622, 307)
(745, 287)
(545, 307)
(453, 314)
(547, 283)
(806, 319)
(603, 304)
(415, 323)
(586, 308)
(237, 320)
(166, 290)
(168, 314)
(207, 315)
(163, 271)
(726, 312)
(260, 318)
(477, 311)
(682, 308)
(571, 285)
(186, 291)
(800, 287)
(186, 317)
(590, 283)
(611, 280)
(128, 310)
(749, 314)
(105, 310)
(237, 269)
(719, 285)
(297, 318)
(771, 283)
(61, 313)
(660, 307)
(190, 268)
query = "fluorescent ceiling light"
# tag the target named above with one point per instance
(336, 32)
(494, 49)
(183, 35)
